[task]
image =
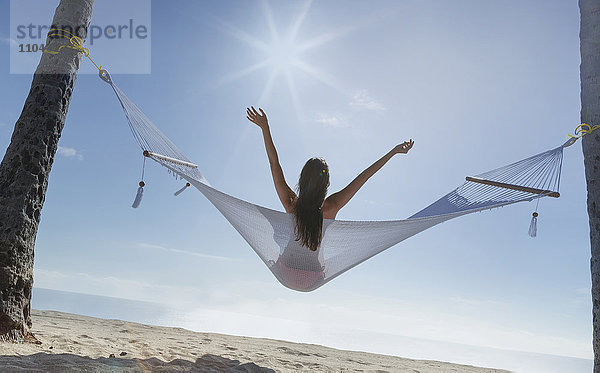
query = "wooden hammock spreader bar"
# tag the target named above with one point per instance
(513, 187)
(169, 159)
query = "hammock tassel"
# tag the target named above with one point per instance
(182, 189)
(138, 196)
(140, 191)
(533, 225)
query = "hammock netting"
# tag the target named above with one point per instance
(345, 244)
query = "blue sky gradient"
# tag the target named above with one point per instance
(476, 84)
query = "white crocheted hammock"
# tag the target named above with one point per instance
(345, 244)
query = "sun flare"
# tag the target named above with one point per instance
(283, 55)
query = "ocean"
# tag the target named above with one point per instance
(210, 320)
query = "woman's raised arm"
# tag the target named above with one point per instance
(285, 193)
(338, 200)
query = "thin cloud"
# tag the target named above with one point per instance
(9, 41)
(335, 121)
(478, 302)
(113, 286)
(371, 202)
(69, 152)
(362, 100)
(178, 251)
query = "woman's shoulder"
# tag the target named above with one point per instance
(292, 206)
(329, 210)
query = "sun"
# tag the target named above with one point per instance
(283, 54)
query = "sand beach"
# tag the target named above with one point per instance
(75, 343)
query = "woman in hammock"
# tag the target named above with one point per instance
(310, 206)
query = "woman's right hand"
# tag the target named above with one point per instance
(256, 118)
(404, 147)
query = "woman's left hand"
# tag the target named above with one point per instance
(260, 119)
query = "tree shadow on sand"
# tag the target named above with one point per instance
(44, 362)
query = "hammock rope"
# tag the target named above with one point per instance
(584, 129)
(76, 44)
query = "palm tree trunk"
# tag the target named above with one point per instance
(26, 166)
(589, 37)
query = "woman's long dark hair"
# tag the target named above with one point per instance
(312, 189)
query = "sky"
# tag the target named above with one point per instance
(476, 85)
